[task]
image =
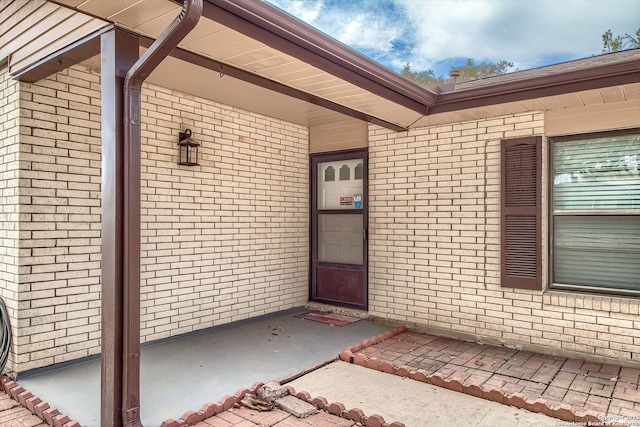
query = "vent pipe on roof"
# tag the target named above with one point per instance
(453, 75)
(160, 49)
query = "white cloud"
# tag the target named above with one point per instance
(303, 10)
(427, 33)
(524, 32)
(365, 31)
(360, 25)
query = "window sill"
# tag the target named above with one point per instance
(587, 301)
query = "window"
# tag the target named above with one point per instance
(359, 171)
(329, 174)
(596, 212)
(345, 173)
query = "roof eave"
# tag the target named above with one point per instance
(536, 87)
(271, 26)
(261, 21)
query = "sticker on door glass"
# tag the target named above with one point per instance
(357, 201)
(346, 200)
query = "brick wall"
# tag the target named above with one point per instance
(220, 242)
(226, 240)
(9, 214)
(59, 316)
(435, 246)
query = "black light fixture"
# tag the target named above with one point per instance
(188, 155)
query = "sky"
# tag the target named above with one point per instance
(440, 34)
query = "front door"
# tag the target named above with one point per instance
(339, 228)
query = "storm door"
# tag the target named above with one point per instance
(339, 228)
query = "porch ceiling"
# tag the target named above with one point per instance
(272, 64)
(228, 50)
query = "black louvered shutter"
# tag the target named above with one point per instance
(521, 183)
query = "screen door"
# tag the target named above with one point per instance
(339, 228)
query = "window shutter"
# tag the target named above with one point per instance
(521, 189)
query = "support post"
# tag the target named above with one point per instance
(119, 51)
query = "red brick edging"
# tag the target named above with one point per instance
(35, 405)
(349, 354)
(338, 409)
(227, 402)
(564, 412)
(211, 409)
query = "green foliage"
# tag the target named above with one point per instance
(423, 78)
(618, 43)
(469, 71)
(610, 43)
(472, 71)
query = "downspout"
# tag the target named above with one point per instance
(160, 49)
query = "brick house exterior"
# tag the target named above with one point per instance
(229, 240)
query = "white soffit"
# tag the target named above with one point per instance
(175, 74)
(215, 41)
(32, 30)
(627, 92)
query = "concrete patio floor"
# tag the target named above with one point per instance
(184, 373)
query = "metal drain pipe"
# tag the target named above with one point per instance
(160, 49)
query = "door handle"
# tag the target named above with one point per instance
(365, 233)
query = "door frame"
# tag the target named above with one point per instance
(315, 159)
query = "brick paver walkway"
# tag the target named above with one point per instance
(573, 390)
(18, 406)
(12, 414)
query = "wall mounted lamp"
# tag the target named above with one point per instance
(188, 146)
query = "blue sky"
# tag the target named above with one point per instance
(438, 34)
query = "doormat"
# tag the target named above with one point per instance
(329, 318)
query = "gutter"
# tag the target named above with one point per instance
(160, 49)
